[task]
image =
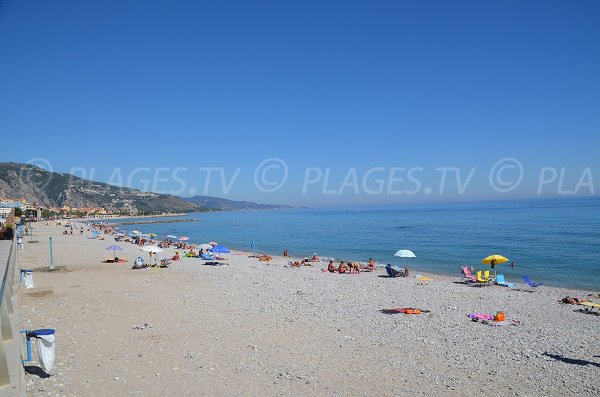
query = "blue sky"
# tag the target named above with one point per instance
(160, 95)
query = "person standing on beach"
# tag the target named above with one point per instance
(285, 252)
(493, 263)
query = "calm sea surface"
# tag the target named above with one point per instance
(554, 241)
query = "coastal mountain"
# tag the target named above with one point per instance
(221, 204)
(57, 190)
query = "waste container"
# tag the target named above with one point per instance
(28, 276)
(45, 338)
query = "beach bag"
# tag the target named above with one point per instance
(499, 316)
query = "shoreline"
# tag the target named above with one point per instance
(83, 220)
(454, 276)
(156, 221)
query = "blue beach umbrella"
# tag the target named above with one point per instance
(219, 249)
(114, 248)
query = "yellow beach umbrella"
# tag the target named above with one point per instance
(498, 259)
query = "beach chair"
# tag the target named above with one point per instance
(487, 275)
(501, 281)
(392, 272)
(482, 280)
(529, 282)
(590, 306)
(165, 262)
(467, 276)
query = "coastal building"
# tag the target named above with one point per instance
(5, 214)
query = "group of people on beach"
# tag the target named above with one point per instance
(351, 267)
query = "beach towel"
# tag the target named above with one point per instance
(404, 310)
(480, 316)
(488, 319)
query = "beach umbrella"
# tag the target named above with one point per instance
(171, 236)
(498, 259)
(153, 235)
(183, 238)
(135, 232)
(405, 254)
(205, 247)
(120, 234)
(219, 249)
(114, 248)
(151, 248)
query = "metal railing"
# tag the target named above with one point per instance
(11, 369)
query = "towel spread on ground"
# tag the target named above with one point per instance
(404, 310)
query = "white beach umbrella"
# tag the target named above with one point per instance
(205, 246)
(405, 254)
(151, 248)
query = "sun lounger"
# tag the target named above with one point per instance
(482, 280)
(590, 306)
(487, 275)
(529, 282)
(501, 281)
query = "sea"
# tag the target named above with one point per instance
(553, 241)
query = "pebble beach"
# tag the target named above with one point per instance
(252, 328)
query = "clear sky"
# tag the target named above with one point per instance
(307, 102)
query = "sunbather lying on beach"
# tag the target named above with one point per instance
(573, 301)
